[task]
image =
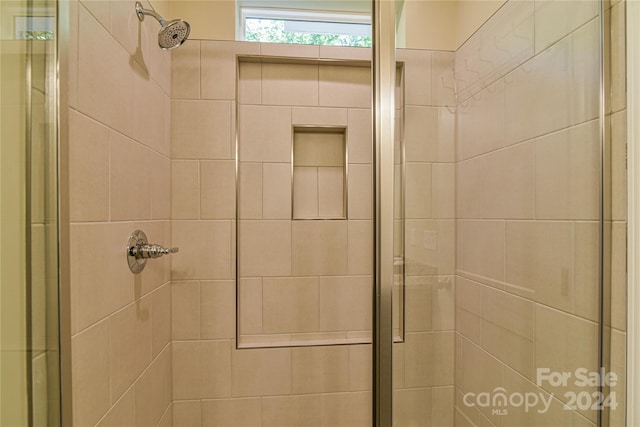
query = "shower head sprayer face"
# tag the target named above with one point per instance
(172, 34)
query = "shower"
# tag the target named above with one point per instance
(172, 34)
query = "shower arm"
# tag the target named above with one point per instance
(140, 11)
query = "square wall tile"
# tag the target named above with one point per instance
(360, 192)
(218, 72)
(298, 411)
(508, 182)
(567, 174)
(443, 78)
(250, 190)
(289, 84)
(201, 369)
(131, 347)
(586, 262)
(91, 374)
(290, 304)
(186, 413)
(122, 413)
(556, 413)
(556, 19)
(218, 189)
(185, 189)
(305, 192)
(205, 250)
(276, 190)
(360, 136)
(265, 248)
(539, 262)
(289, 50)
(469, 196)
(360, 244)
(129, 162)
(431, 247)
(480, 122)
(161, 319)
(153, 390)
(443, 304)
(418, 190)
(265, 134)
(361, 367)
(483, 251)
(346, 409)
(331, 195)
(345, 86)
(412, 407)
(418, 304)
(319, 248)
(618, 57)
(185, 71)
(99, 286)
(545, 81)
(261, 372)
(250, 306)
(232, 412)
(585, 79)
(429, 134)
(104, 93)
(319, 369)
(201, 129)
(249, 83)
(217, 309)
(439, 346)
(88, 169)
(564, 342)
(319, 116)
(148, 112)
(160, 186)
(346, 303)
(443, 190)
(417, 75)
(185, 309)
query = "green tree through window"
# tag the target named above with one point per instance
(273, 31)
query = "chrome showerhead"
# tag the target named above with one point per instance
(172, 34)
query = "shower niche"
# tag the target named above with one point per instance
(319, 172)
(304, 201)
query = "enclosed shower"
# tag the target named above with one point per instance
(425, 227)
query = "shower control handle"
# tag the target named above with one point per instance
(150, 251)
(139, 251)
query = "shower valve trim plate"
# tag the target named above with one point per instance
(139, 251)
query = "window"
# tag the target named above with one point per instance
(35, 27)
(305, 27)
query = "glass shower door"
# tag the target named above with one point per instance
(508, 223)
(29, 349)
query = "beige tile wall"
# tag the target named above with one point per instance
(316, 274)
(527, 184)
(214, 383)
(119, 174)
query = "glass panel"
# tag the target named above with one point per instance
(501, 134)
(29, 356)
